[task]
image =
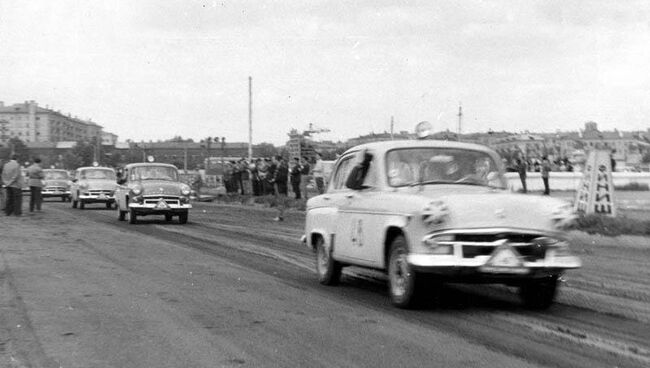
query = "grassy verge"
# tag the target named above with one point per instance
(611, 226)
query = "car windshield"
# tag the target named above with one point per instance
(412, 166)
(154, 173)
(97, 174)
(56, 175)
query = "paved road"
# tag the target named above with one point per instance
(234, 289)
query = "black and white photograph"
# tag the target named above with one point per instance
(368, 184)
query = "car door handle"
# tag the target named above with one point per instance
(349, 195)
(327, 198)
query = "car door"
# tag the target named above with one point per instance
(362, 221)
(336, 196)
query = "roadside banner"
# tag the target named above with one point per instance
(596, 191)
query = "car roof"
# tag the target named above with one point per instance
(95, 167)
(140, 164)
(425, 143)
(62, 170)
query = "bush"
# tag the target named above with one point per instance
(634, 186)
(611, 226)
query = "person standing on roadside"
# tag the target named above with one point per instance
(12, 178)
(271, 175)
(304, 176)
(295, 173)
(545, 170)
(521, 169)
(280, 178)
(318, 172)
(35, 182)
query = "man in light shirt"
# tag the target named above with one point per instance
(12, 178)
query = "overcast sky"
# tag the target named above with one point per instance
(155, 69)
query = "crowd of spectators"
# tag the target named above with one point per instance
(273, 176)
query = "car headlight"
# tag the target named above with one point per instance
(439, 244)
(435, 213)
(185, 190)
(555, 247)
(563, 215)
(137, 190)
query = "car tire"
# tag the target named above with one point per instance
(539, 293)
(328, 270)
(109, 205)
(168, 217)
(82, 205)
(404, 284)
(133, 218)
(182, 217)
(74, 203)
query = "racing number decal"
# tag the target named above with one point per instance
(357, 232)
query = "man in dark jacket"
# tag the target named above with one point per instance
(521, 169)
(281, 176)
(296, 173)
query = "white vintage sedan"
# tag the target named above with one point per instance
(93, 184)
(428, 211)
(152, 189)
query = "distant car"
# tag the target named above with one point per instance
(427, 211)
(152, 189)
(56, 184)
(93, 185)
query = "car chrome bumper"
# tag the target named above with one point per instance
(53, 193)
(431, 262)
(154, 208)
(96, 198)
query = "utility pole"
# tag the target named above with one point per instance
(392, 125)
(250, 119)
(185, 158)
(460, 119)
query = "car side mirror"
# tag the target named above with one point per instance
(74, 180)
(121, 181)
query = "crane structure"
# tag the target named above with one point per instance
(314, 130)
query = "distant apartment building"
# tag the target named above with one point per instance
(32, 123)
(109, 139)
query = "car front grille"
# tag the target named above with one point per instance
(168, 199)
(100, 192)
(54, 189)
(474, 245)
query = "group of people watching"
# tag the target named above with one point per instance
(273, 175)
(13, 182)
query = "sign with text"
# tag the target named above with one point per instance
(596, 191)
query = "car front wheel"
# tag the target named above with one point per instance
(405, 284)
(182, 217)
(539, 293)
(328, 270)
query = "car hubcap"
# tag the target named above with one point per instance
(399, 275)
(323, 260)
